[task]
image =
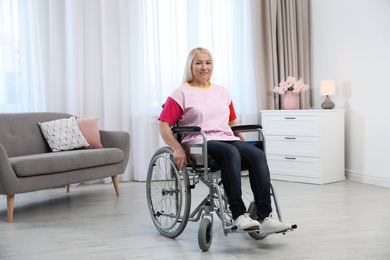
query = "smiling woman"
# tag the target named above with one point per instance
(199, 72)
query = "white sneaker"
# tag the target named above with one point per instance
(271, 225)
(244, 222)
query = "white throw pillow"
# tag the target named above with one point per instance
(63, 134)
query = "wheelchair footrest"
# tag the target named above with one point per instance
(294, 226)
(234, 229)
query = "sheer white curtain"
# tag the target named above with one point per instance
(21, 73)
(172, 28)
(119, 60)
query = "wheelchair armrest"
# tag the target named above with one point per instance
(246, 128)
(185, 129)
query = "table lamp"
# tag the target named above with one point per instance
(327, 88)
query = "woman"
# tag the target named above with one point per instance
(199, 103)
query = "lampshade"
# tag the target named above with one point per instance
(327, 87)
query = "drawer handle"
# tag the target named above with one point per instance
(290, 158)
(289, 138)
(289, 117)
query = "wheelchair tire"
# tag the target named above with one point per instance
(168, 194)
(205, 234)
(252, 210)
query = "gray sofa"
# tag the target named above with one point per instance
(28, 164)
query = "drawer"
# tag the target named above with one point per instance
(294, 166)
(293, 145)
(304, 125)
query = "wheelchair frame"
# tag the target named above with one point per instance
(168, 192)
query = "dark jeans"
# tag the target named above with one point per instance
(232, 156)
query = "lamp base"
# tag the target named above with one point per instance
(327, 104)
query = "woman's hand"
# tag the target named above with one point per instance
(180, 158)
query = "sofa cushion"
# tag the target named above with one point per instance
(51, 163)
(90, 130)
(63, 134)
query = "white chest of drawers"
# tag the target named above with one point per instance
(305, 145)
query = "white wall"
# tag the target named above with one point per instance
(350, 42)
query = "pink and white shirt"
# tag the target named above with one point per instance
(210, 108)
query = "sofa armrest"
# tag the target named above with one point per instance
(8, 179)
(116, 139)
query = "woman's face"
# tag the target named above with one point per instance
(202, 68)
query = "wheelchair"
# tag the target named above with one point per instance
(168, 190)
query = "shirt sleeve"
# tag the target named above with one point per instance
(232, 115)
(171, 111)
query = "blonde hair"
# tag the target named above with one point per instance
(187, 77)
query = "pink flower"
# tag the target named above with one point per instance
(291, 84)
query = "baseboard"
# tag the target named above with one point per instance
(362, 178)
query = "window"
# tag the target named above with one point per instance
(32, 69)
(9, 56)
(173, 27)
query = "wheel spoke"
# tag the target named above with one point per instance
(167, 195)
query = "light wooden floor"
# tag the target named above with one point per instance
(344, 220)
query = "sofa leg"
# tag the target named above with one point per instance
(10, 207)
(67, 187)
(116, 185)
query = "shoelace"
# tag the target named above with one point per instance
(246, 215)
(274, 221)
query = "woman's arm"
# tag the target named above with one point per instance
(240, 135)
(179, 155)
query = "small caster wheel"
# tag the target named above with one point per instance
(205, 234)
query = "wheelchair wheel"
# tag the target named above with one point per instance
(205, 234)
(252, 210)
(168, 194)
